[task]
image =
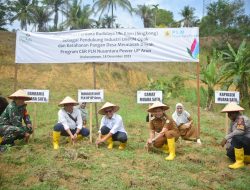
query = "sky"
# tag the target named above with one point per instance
(133, 21)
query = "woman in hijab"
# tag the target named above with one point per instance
(184, 123)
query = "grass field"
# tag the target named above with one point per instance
(37, 166)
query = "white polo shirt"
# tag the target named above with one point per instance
(67, 122)
(115, 124)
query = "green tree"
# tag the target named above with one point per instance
(107, 21)
(237, 68)
(188, 16)
(243, 22)
(97, 24)
(155, 9)
(3, 14)
(222, 17)
(40, 17)
(107, 5)
(78, 16)
(172, 87)
(146, 14)
(211, 75)
(164, 17)
(85, 21)
(22, 12)
(55, 6)
(73, 13)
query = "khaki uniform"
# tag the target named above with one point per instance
(157, 124)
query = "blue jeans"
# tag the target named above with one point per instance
(119, 136)
(59, 128)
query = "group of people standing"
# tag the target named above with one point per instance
(164, 130)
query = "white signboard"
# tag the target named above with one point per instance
(148, 97)
(225, 97)
(40, 96)
(90, 96)
(109, 45)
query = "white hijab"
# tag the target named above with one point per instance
(182, 117)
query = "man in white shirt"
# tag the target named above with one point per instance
(111, 128)
(69, 122)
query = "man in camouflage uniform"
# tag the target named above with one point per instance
(11, 127)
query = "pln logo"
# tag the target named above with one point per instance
(25, 38)
(194, 49)
(168, 33)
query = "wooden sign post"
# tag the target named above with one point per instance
(226, 123)
(91, 96)
(148, 97)
(34, 125)
(225, 97)
(38, 96)
(90, 123)
(149, 119)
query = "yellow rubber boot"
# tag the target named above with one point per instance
(110, 143)
(1, 140)
(122, 146)
(247, 158)
(171, 146)
(56, 138)
(165, 148)
(239, 157)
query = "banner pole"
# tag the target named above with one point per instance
(90, 123)
(149, 119)
(15, 77)
(94, 83)
(198, 99)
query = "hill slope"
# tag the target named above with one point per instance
(83, 166)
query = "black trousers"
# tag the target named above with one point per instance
(59, 128)
(119, 136)
(239, 141)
